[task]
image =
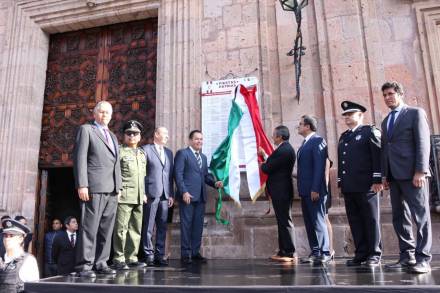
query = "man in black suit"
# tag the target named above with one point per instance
(191, 175)
(63, 247)
(405, 164)
(97, 171)
(279, 166)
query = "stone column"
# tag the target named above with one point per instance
(180, 68)
(22, 79)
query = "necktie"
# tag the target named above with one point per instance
(72, 240)
(107, 136)
(109, 140)
(161, 154)
(391, 124)
(199, 160)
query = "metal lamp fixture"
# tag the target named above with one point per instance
(298, 50)
(288, 5)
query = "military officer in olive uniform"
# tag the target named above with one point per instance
(128, 226)
(360, 180)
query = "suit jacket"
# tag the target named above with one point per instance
(312, 158)
(159, 177)
(408, 148)
(189, 177)
(94, 164)
(63, 253)
(279, 167)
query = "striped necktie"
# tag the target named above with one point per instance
(199, 159)
(391, 124)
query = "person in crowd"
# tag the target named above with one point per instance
(279, 166)
(405, 166)
(191, 175)
(29, 236)
(160, 192)
(50, 266)
(360, 181)
(16, 265)
(2, 247)
(312, 188)
(97, 171)
(128, 226)
(63, 249)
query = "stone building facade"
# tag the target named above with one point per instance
(353, 46)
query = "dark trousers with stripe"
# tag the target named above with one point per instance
(363, 215)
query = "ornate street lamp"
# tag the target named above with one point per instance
(298, 50)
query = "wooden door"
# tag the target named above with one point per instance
(116, 63)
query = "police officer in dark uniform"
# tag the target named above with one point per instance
(360, 180)
(16, 266)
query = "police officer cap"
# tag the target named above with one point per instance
(132, 126)
(350, 107)
(11, 226)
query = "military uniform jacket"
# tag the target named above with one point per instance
(133, 171)
(359, 164)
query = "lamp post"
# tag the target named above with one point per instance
(298, 49)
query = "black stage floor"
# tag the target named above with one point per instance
(247, 276)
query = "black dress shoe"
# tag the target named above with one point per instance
(136, 265)
(323, 260)
(106, 271)
(149, 261)
(373, 261)
(309, 259)
(186, 260)
(87, 274)
(160, 262)
(354, 262)
(120, 266)
(420, 268)
(198, 257)
(401, 265)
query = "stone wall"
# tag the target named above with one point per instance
(353, 46)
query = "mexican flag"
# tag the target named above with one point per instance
(245, 136)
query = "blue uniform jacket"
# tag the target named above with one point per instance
(311, 166)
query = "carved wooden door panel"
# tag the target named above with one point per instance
(115, 63)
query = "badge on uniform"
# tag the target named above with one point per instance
(358, 137)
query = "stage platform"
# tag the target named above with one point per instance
(247, 276)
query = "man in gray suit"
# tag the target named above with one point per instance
(159, 190)
(405, 158)
(97, 173)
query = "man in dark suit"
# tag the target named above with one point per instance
(312, 188)
(97, 173)
(160, 194)
(191, 175)
(405, 164)
(50, 266)
(279, 167)
(360, 180)
(63, 247)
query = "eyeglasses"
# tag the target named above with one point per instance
(132, 133)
